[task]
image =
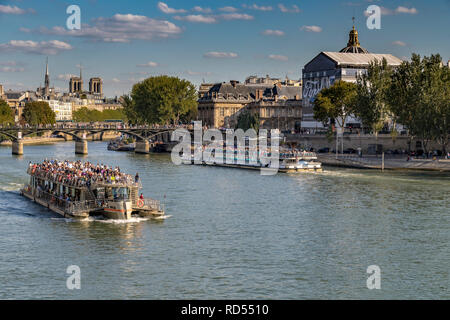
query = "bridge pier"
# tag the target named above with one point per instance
(17, 147)
(81, 147)
(142, 147)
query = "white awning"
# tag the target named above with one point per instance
(312, 125)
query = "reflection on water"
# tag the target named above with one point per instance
(231, 234)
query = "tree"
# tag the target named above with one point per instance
(371, 89)
(6, 114)
(37, 113)
(419, 98)
(247, 120)
(163, 99)
(129, 109)
(86, 115)
(336, 103)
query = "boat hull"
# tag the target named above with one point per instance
(55, 209)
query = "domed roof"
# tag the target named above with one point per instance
(353, 45)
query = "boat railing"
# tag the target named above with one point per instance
(63, 204)
(152, 204)
(82, 181)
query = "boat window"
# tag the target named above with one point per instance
(120, 193)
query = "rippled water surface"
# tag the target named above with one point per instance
(232, 234)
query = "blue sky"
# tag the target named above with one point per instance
(125, 41)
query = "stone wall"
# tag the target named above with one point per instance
(363, 141)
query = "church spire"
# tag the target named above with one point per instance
(47, 80)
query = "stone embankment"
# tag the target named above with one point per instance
(390, 163)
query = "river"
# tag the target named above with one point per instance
(231, 234)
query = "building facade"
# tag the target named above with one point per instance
(277, 106)
(62, 110)
(328, 67)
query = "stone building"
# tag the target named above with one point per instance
(76, 84)
(96, 86)
(327, 67)
(278, 106)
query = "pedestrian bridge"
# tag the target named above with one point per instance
(82, 133)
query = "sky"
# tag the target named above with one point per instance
(124, 42)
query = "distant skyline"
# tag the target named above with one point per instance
(124, 42)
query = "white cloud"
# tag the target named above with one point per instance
(401, 9)
(11, 10)
(259, 8)
(65, 77)
(12, 69)
(118, 28)
(11, 63)
(311, 28)
(270, 32)
(220, 55)
(213, 18)
(386, 11)
(197, 18)
(202, 10)
(165, 8)
(293, 9)
(228, 9)
(236, 16)
(149, 64)
(278, 57)
(399, 43)
(44, 47)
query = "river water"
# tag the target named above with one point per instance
(232, 234)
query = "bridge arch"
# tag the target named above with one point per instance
(9, 135)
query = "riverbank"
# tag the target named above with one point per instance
(34, 141)
(375, 162)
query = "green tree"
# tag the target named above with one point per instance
(371, 89)
(247, 120)
(163, 99)
(336, 103)
(129, 109)
(419, 98)
(88, 115)
(37, 113)
(6, 114)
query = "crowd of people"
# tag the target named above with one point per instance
(80, 174)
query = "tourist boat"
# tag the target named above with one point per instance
(120, 146)
(290, 161)
(81, 198)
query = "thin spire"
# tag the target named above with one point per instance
(353, 19)
(81, 67)
(46, 68)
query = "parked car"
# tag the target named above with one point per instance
(349, 151)
(324, 150)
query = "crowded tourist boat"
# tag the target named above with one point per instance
(290, 160)
(80, 190)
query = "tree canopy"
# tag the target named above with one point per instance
(336, 103)
(247, 120)
(371, 102)
(37, 113)
(87, 115)
(419, 98)
(6, 114)
(161, 100)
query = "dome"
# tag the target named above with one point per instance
(353, 45)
